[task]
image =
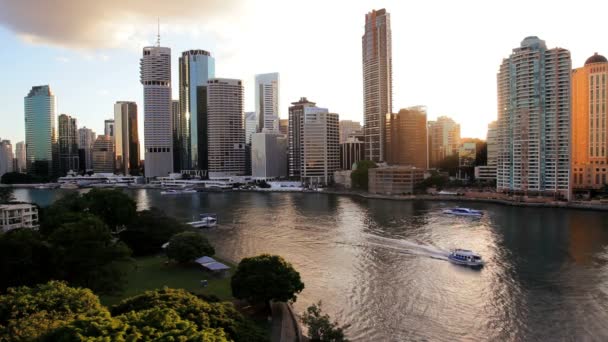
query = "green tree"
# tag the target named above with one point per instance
(28, 313)
(87, 255)
(25, 258)
(359, 176)
(264, 278)
(320, 327)
(187, 246)
(6, 195)
(450, 164)
(114, 207)
(20, 178)
(149, 230)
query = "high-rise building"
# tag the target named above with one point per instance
(40, 131)
(316, 150)
(108, 128)
(251, 125)
(226, 127)
(269, 155)
(488, 171)
(406, 137)
(103, 154)
(126, 138)
(296, 114)
(348, 127)
(351, 151)
(267, 101)
(589, 129)
(443, 139)
(196, 67)
(6, 157)
(377, 81)
(178, 147)
(86, 139)
(155, 71)
(284, 126)
(68, 144)
(20, 157)
(534, 120)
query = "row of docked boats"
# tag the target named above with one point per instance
(465, 257)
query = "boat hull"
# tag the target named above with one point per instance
(472, 264)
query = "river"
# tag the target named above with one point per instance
(380, 265)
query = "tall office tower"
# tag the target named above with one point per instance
(86, 139)
(406, 137)
(126, 138)
(103, 154)
(444, 139)
(284, 126)
(267, 101)
(40, 132)
(589, 130)
(377, 81)
(296, 113)
(251, 126)
(20, 157)
(320, 141)
(226, 124)
(348, 127)
(269, 155)
(68, 144)
(196, 67)
(178, 147)
(6, 157)
(534, 120)
(108, 128)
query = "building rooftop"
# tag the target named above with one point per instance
(596, 58)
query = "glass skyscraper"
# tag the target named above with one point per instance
(40, 131)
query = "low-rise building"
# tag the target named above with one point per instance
(342, 179)
(394, 180)
(485, 172)
(18, 215)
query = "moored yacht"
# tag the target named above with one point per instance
(177, 192)
(465, 257)
(463, 212)
(205, 221)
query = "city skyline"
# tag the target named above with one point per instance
(47, 52)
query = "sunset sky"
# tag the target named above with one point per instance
(445, 53)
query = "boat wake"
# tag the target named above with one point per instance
(408, 247)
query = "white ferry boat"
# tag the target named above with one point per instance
(205, 221)
(463, 212)
(466, 258)
(177, 192)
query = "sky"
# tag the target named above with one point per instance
(445, 53)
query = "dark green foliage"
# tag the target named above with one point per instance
(149, 230)
(87, 255)
(450, 164)
(28, 313)
(22, 178)
(25, 258)
(6, 195)
(264, 278)
(359, 177)
(320, 327)
(187, 246)
(114, 207)
(436, 180)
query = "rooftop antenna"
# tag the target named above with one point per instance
(158, 33)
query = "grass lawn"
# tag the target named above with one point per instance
(149, 273)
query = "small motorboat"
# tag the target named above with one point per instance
(205, 221)
(465, 257)
(463, 212)
(178, 192)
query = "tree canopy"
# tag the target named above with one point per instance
(320, 327)
(359, 176)
(264, 278)
(6, 195)
(187, 246)
(149, 231)
(114, 207)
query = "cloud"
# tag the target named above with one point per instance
(105, 24)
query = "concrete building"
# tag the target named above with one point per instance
(86, 139)
(20, 159)
(103, 155)
(589, 129)
(348, 127)
(251, 126)
(40, 131)
(108, 128)
(488, 171)
(267, 88)
(377, 81)
(351, 151)
(443, 139)
(21, 215)
(406, 137)
(155, 76)
(68, 145)
(269, 155)
(534, 121)
(126, 138)
(196, 67)
(342, 179)
(296, 113)
(284, 126)
(6, 157)
(226, 125)
(394, 180)
(320, 148)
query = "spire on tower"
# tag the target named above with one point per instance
(158, 33)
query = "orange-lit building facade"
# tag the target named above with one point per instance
(589, 131)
